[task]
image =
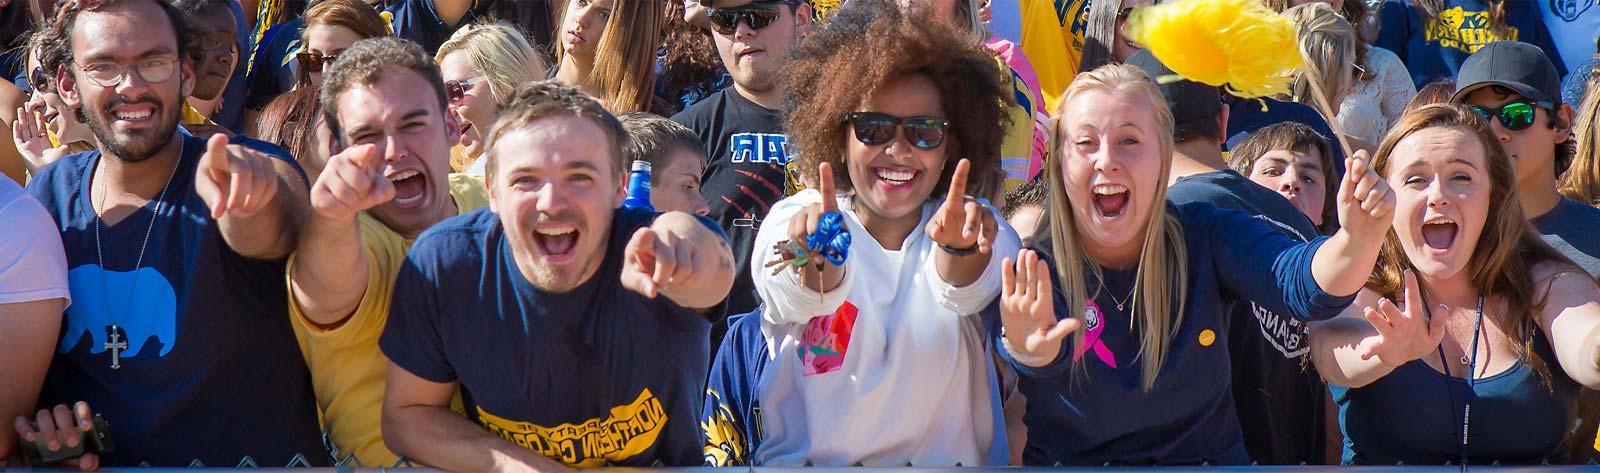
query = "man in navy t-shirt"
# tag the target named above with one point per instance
(175, 248)
(1279, 402)
(559, 361)
(1517, 89)
(1515, 86)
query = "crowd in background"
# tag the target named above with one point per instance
(537, 234)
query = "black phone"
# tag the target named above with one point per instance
(96, 440)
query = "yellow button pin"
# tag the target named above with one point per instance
(1207, 337)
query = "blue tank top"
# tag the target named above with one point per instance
(1413, 415)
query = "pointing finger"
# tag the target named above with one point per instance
(958, 183)
(825, 186)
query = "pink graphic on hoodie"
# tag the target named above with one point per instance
(1094, 324)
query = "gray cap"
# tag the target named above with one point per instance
(1521, 67)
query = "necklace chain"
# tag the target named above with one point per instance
(1122, 304)
(100, 251)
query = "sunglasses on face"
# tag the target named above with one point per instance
(873, 128)
(314, 62)
(1514, 116)
(758, 15)
(455, 90)
(38, 80)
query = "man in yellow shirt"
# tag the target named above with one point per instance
(388, 183)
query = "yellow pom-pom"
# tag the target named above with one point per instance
(1237, 44)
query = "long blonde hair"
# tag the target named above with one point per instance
(1581, 182)
(625, 60)
(1163, 259)
(1328, 44)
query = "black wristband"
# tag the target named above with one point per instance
(960, 251)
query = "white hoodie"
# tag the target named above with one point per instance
(889, 369)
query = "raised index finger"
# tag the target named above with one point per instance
(1413, 295)
(365, 157)
(958, 183)
(217, 153)
(825, 186)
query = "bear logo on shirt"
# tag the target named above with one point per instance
(141, 302)
(1570, 10)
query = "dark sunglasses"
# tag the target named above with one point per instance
(1515, 115)
(455, 90)
(38, 80)
(758, 15)
(314, 62)
(873, 128)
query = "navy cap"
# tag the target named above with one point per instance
(1188, 100)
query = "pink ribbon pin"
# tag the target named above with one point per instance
(1094, 323)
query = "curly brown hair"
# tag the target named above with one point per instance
(870, 43)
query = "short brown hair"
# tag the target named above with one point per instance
(365, 64)
(870, 43)
(54, 41)
(544, 99)
(653, 139)
(1296, 137)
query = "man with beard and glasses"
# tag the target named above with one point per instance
(746, 171)
(559, 360)
(390, 181)
(175, 248)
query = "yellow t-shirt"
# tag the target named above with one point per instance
(1052, 37)
(191, 116)
(347, 368)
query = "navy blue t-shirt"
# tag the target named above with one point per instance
(1435, 50)
(211, 374)
(1413, 415)
(732, 412)
(417, 21)
(1280, 398)
(1571, 228)
(746, 173)
(1089, 408)
(599, 375)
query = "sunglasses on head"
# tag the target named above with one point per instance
(1515, 115)
(314, 62)
(758, 15)
(455, 90)
(873, 128)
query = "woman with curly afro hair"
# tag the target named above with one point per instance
(897, 112)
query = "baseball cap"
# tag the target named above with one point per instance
(1515, 65)
(1188, 100)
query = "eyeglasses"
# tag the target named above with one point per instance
(38, 80)
(313, 62)
(111, 74)
(873, 128)
(758, 15)
(1515, 115)
(455, 90)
